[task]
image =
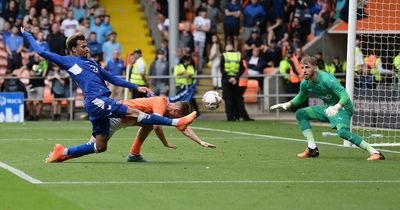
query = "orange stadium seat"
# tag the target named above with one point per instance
(250, 95)
(48, 97)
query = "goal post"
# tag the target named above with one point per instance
(374, 85)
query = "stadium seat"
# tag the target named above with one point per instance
(48, 97)
(250, 95)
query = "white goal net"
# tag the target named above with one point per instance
(376, 85)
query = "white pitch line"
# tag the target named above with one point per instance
(20, 174)
(229, 182)
(281, 138)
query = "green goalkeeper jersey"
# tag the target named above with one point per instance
(327, 88)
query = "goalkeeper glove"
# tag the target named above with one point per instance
(332, 110)
(284, 106)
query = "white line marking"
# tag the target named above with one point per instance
(20, 174)
(281, 138)
(229, 182)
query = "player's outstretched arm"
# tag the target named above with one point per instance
(160, 134)
(58, 59)
(192, 135)
(120, 82)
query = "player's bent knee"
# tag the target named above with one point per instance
(301, 114)
(132, 112)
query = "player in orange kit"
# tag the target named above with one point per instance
(154, 105)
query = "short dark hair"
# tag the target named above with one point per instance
(185, 108)
(72, 41)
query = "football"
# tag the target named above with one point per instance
(211, 100)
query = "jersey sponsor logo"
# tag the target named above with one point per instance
(75, 69)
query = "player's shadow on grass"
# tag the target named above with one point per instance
(166, 162)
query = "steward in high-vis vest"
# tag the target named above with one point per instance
(138, 74)
(374, 63)
(231, 70)
(183, 73)
(337, 68)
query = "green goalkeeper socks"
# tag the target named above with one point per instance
(310, 138)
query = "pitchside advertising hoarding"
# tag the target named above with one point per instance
(11, 107)
(373, 108)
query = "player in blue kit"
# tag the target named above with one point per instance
(91, 79)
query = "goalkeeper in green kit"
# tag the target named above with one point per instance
(337, 110)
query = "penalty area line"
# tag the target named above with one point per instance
(281, 138)
(20, 174)
(228, 182)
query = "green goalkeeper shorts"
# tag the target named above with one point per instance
(341, 120)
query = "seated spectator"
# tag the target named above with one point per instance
(13, 85)
(11, 12)
(256, 65)
(6, 31)
(45, 27)
(272, 55)
(255, 41)
(278, 32)
(28, 18)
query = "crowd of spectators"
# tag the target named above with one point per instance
(51, 22)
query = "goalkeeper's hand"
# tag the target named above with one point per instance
(284, 106)
(332, 110)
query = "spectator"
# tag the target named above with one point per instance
(320, 61)
(106, 24)
(138, 74)
(11, 12)
(303, 14)
(254, 41)
(13, 85)
(278, 32)
(202, 5)
(70, 25)
(96, 50)
(45, 27)
(43, 14)
(58, 78)
(6, 31)
(202, 25)
(214, 15)
(56, 40)
(116, 67)
(28, 18)
(256, 65)
(215, 59)
(41, 42)
(178, 54)
(322, 20)
(110, 46)
(84, 27)
(272, 55)
(186, 38)
(232, 23)
(163, 25)
(47, 4)
(254, 14)
(14, 46)
(38, 70)
(99, 29)
(78, 11)
(159, 67)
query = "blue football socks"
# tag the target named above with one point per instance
(154, 119)
(83, 149)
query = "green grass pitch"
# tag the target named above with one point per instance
(253, 167)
